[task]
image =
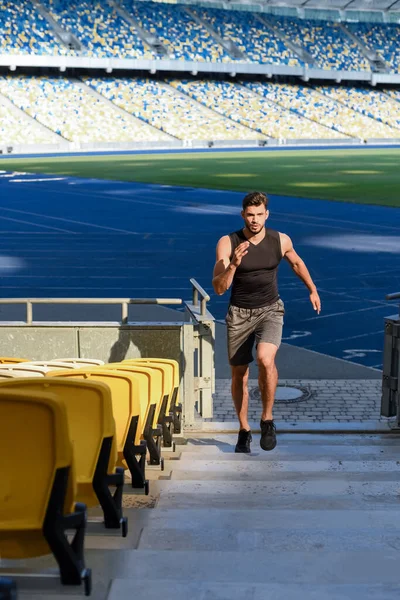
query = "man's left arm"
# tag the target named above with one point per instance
(299, 267)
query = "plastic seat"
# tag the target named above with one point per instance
(82, 362)
(152, 432)
(4, 360)
(23, 370)
(165, 419)
(38, 508)
(175, 408)
(92, 431)
(127, 416)
(50, 364)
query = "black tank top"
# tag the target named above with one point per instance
(254, 283)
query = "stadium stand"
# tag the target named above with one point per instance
(17, 129)
(242, 106)
(68, 109)
(99, 28)
(167, 110)
(371, 103)
(24, 31)
(258, 43)
(318, 107)
(182, 36)
(382, 38)
(326, 42)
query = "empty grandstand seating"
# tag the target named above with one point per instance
(92, 432)
(330, 47)
(370, 103)
(130, 402)
(24, 31)
(169, 111)
(180, 34)
(99, 28)
(325, 110)
(16, 128)
(35, 432)
(255, 40)
(382, 38)
(247, 108)
(67, 108)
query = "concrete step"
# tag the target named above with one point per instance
(252, 519)
(207, 441)
(200, 590)
(282, 539)
(301, 452)
(267, 475)
(319, 493)
(308, 467)
(259, 567)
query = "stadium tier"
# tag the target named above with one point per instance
(181, 35)
(327, 110)
(329, 46)
(258, 43)
(162, 107)
(67, 108)
(244, 106)
(98, 27)
(382, 38)
(371, 103)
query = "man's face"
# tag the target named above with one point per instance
(255, 217)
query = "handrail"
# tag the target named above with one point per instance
(197, 289)
(123, 301)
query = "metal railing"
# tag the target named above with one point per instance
(197, 289)
(125, 302)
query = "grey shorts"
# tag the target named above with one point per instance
(248, 325)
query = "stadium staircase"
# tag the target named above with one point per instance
(67, 39)
(316, 518)
(149, 39)
(298, 51)
(229, 45)
(377, 63)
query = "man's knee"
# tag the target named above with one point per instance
(267, 361)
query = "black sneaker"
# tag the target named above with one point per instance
(244, 441)
(268, 435)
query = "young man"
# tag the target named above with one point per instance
(248, 260)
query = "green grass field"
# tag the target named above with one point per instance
(363, 176)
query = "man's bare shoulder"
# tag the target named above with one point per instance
(286, 242)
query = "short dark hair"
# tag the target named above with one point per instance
(255, 199)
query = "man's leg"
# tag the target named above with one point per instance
(240, 394)
(267, 377)
(268, 381)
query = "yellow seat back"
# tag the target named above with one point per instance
(124, 396)
(154, 382)
(22, 370)
(34, 432)
(7, 360)
(90, 420)
(175, 366)
(167, 371)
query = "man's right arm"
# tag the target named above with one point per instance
(225, 268)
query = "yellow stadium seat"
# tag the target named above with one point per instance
(82, 362)
(92, 431)
(165, 417)
(50, 364)
(127, 416)
(152, 433)
(175, 407)
(22, 370)
(38, 508)
(4, 360)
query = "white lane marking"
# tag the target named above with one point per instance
(346, 312)
(26, 212)
(36, 180)
(297, 334)
(358, 353)
(35, 224)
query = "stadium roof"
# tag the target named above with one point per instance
(392, 5)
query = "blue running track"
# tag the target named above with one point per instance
(68, 237)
